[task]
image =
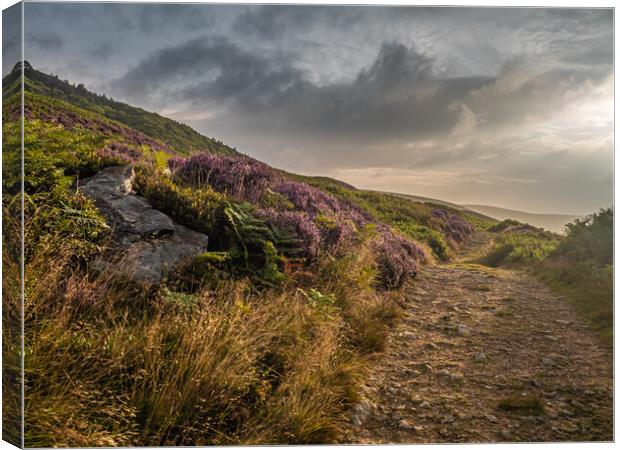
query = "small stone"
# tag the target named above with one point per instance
(444, 373)
(431, 346)
(480, 357)
(397, 415)
(463, 330)
(447, 419)
(415, 400)
(491, 418)
(425, 404)
(456, 376)
(405, 425)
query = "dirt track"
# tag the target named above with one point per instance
(486, 355)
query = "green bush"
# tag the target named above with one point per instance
(522, 247)
(433, 238)
(590, 238)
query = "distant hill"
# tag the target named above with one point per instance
(417, 198)
(551, 222)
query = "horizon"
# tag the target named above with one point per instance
(522, 123)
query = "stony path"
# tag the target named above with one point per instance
(486, 355)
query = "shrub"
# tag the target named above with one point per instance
(316, 202)
(199, 209)
(397, 259)
(520, 247)
(240, 178)
(298, 225)
(453, 225)
(590, 238)
(433, 238)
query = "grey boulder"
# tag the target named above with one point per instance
(146, 244)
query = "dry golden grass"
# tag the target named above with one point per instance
(107, 365)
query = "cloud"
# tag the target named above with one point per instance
(522, 92)
(11, 37)
(49, 41)
(398, 94)
(270, 22)
(103, 51)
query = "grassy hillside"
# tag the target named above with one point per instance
(177, 136)
(579, 266)
(262, 339)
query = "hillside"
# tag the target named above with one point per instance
(551, 222)
(138, 226)
(177, 136)
(178, 292)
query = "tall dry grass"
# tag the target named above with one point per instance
(109, 365)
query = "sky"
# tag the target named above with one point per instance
(499, 106)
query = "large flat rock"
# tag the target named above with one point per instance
(146, 244)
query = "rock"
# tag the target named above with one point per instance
(425, 404)
(397, 415)
(444, 373)
(431, 346)
(452, 376)
(462, 330)
(447, 419)
(480, 357)
(426, 367)
(416, 400)
(405, 425)
(562, 322)
(455, 376)
(145, 243)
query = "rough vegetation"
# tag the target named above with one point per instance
(260, 334)
(578, 265)
(261, 337)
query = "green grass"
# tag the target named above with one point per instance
(578, 266)
(182, 138)
(520, 248)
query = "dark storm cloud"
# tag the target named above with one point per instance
(152, 18)
(103, 51)
(236, 72)
(49, 41)
(269, 22)
(11, 37)
(447, 102)
(399, 93)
